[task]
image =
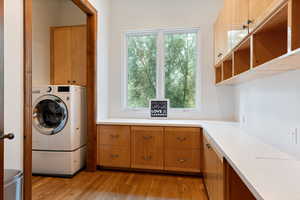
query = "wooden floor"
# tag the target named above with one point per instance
(108, 185)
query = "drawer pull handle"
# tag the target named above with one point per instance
(114, 136)
(114, 156)
(147, 158)
(208, 146)
(147, 137)
(181, 160)
(181, 139)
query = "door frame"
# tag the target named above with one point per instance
(2, 98)
(92, 22)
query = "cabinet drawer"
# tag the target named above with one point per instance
(187, 138)
(114, 135)
(114, 156)
(182, 160)
(148, 159)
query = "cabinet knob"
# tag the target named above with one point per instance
(245, 27)
(147, 137)
(181, 139)
(181, 160)
(69, 81)
(73, 81)
(114, 156)
(147, 158)
(208, 146)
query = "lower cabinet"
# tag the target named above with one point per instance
(213, 172)
(220, 179)
(235, 189)
(114, 146)
(174, 149)
(147, 148)
(182, 149)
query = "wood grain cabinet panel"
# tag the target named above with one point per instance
(239, 23)
(235, 188)
(182, 160)
(183, 138)
(259, 10)
(112, 156)
(79, 55)
(213, 172)
(69, 55)
(147, 147)
(114, 135)
(61, 55)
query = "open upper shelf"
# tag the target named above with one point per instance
(272, 48)
(287, 62)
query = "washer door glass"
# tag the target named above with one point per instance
(50, 115)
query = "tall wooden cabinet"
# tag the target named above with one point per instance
(69, 55)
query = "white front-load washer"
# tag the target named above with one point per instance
(59, 130)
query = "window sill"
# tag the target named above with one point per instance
(173, 110)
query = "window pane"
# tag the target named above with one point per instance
(180, 69)
(141, 70)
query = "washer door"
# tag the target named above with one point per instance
(50, 115)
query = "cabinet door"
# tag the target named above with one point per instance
(79, 55)
(235, 187)
(260, 9)
(240, 16)
(147, 148)
(222, 31)
(218, 41)
(213, 172)
(61, 54)
(207, 167)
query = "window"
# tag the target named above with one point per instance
(162, 65)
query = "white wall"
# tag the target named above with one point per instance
(48, 13)
(13, 82)
(271, 108)
(104, 11)
(127, 15)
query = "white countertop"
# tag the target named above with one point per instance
(269, 173)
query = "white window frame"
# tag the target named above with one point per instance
(160, 70)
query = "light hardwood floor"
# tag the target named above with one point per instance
(108, 185)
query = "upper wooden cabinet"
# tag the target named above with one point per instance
(69, 55)
(236, 20)
(222, 27)
(260, 9)
(239, 23)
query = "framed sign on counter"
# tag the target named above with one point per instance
(159, 108)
